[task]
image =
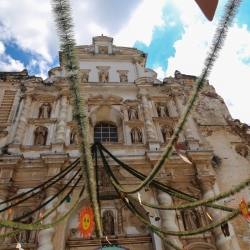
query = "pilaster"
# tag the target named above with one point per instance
(18, 138)
(205, 180)
(152, 141)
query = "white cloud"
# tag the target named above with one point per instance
(160, 73)
(29, 25)
(7, 63)
(229, 75)
(141, 25)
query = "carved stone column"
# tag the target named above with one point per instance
(18, 138)
(137, 67)
(172, 109)
(206, 181)
(46, 235)
(61, 125)
(119, 205)
(147, 117)
(168, 219)
(192, 143)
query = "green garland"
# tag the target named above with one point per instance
(167, 241)
(41, 226)
(142, 177)
(63, 19)
(181, 207)
(181, 233)
(34, 194)
(217, 44)
(69, 168)
(193, 203)
(49, 200)
(47, 214)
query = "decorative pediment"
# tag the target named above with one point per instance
(131, 103)
(144, 81)
(102, 100)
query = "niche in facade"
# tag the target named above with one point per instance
(242, 150)
(190, 219)
(133, 113)
(74, 137)
(136, 135)
(40, 136)
(167, 132)
(45, 110)
(162, 110)
(108, 223)
(103, 73)
(123, 75)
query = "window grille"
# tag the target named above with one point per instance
(105, 133)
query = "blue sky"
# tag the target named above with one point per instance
(174, 33)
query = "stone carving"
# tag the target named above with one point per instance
(45, 110)
(103, 49)
(40, 135)
(132, 113)
(85, 77)
(74, 137)
(162, 111)
(23, 237)
(167, 132)
(123, 78)
(178, 76)
(103, 76)
(136, 135)
(190, 219)
(242, 150)
(108, 223)
(5, 150)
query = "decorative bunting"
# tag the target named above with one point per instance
(178, 148)
(86, 222)
(208, 7)
(244, 210)
(225, 229)
(10, 210)
(209, 216)
(19, 246)
(68, 199)
(139, 197)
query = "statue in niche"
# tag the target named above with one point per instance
(23, 237)
(40, 135)
(103, 76)
(243, 151)
(162, 111)
(108, 223)
(74, 137)
(85, 78)
(132, 113)
(45, 110)
(190, 220)
(136, 135)
(167, 132)
(123, 78)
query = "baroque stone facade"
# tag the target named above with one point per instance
(38, 138)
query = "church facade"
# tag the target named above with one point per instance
(133, 114)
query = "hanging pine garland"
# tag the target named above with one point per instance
(63, 19)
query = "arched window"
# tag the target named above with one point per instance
(105, 132)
